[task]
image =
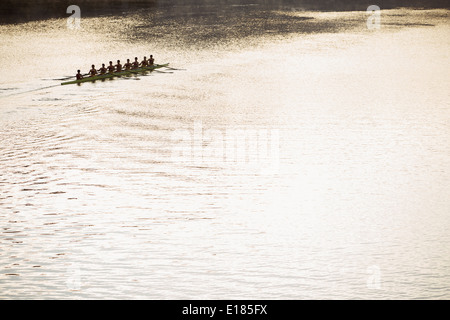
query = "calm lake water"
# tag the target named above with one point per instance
(293, 155)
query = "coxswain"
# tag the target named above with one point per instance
(144, 62)
(151, 60)
(118, 66)
(79, 75)
(93, 71)
(135, 63)
(111, 67)
(103, 69)
(127, 65)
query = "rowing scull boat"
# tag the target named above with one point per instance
(116, 74)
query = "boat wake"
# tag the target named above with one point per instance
(23, 92)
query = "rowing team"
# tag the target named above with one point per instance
(118, 67)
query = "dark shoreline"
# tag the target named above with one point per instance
(18, 11)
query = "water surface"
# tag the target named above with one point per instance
(124, 188)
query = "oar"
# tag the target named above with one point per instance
(175, 69)
(160, 71)
(66, 78)
(56, 79)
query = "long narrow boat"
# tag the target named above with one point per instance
(116, 74)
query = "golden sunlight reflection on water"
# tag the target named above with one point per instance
(104, 193)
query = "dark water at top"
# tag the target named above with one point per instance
(12, 11)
